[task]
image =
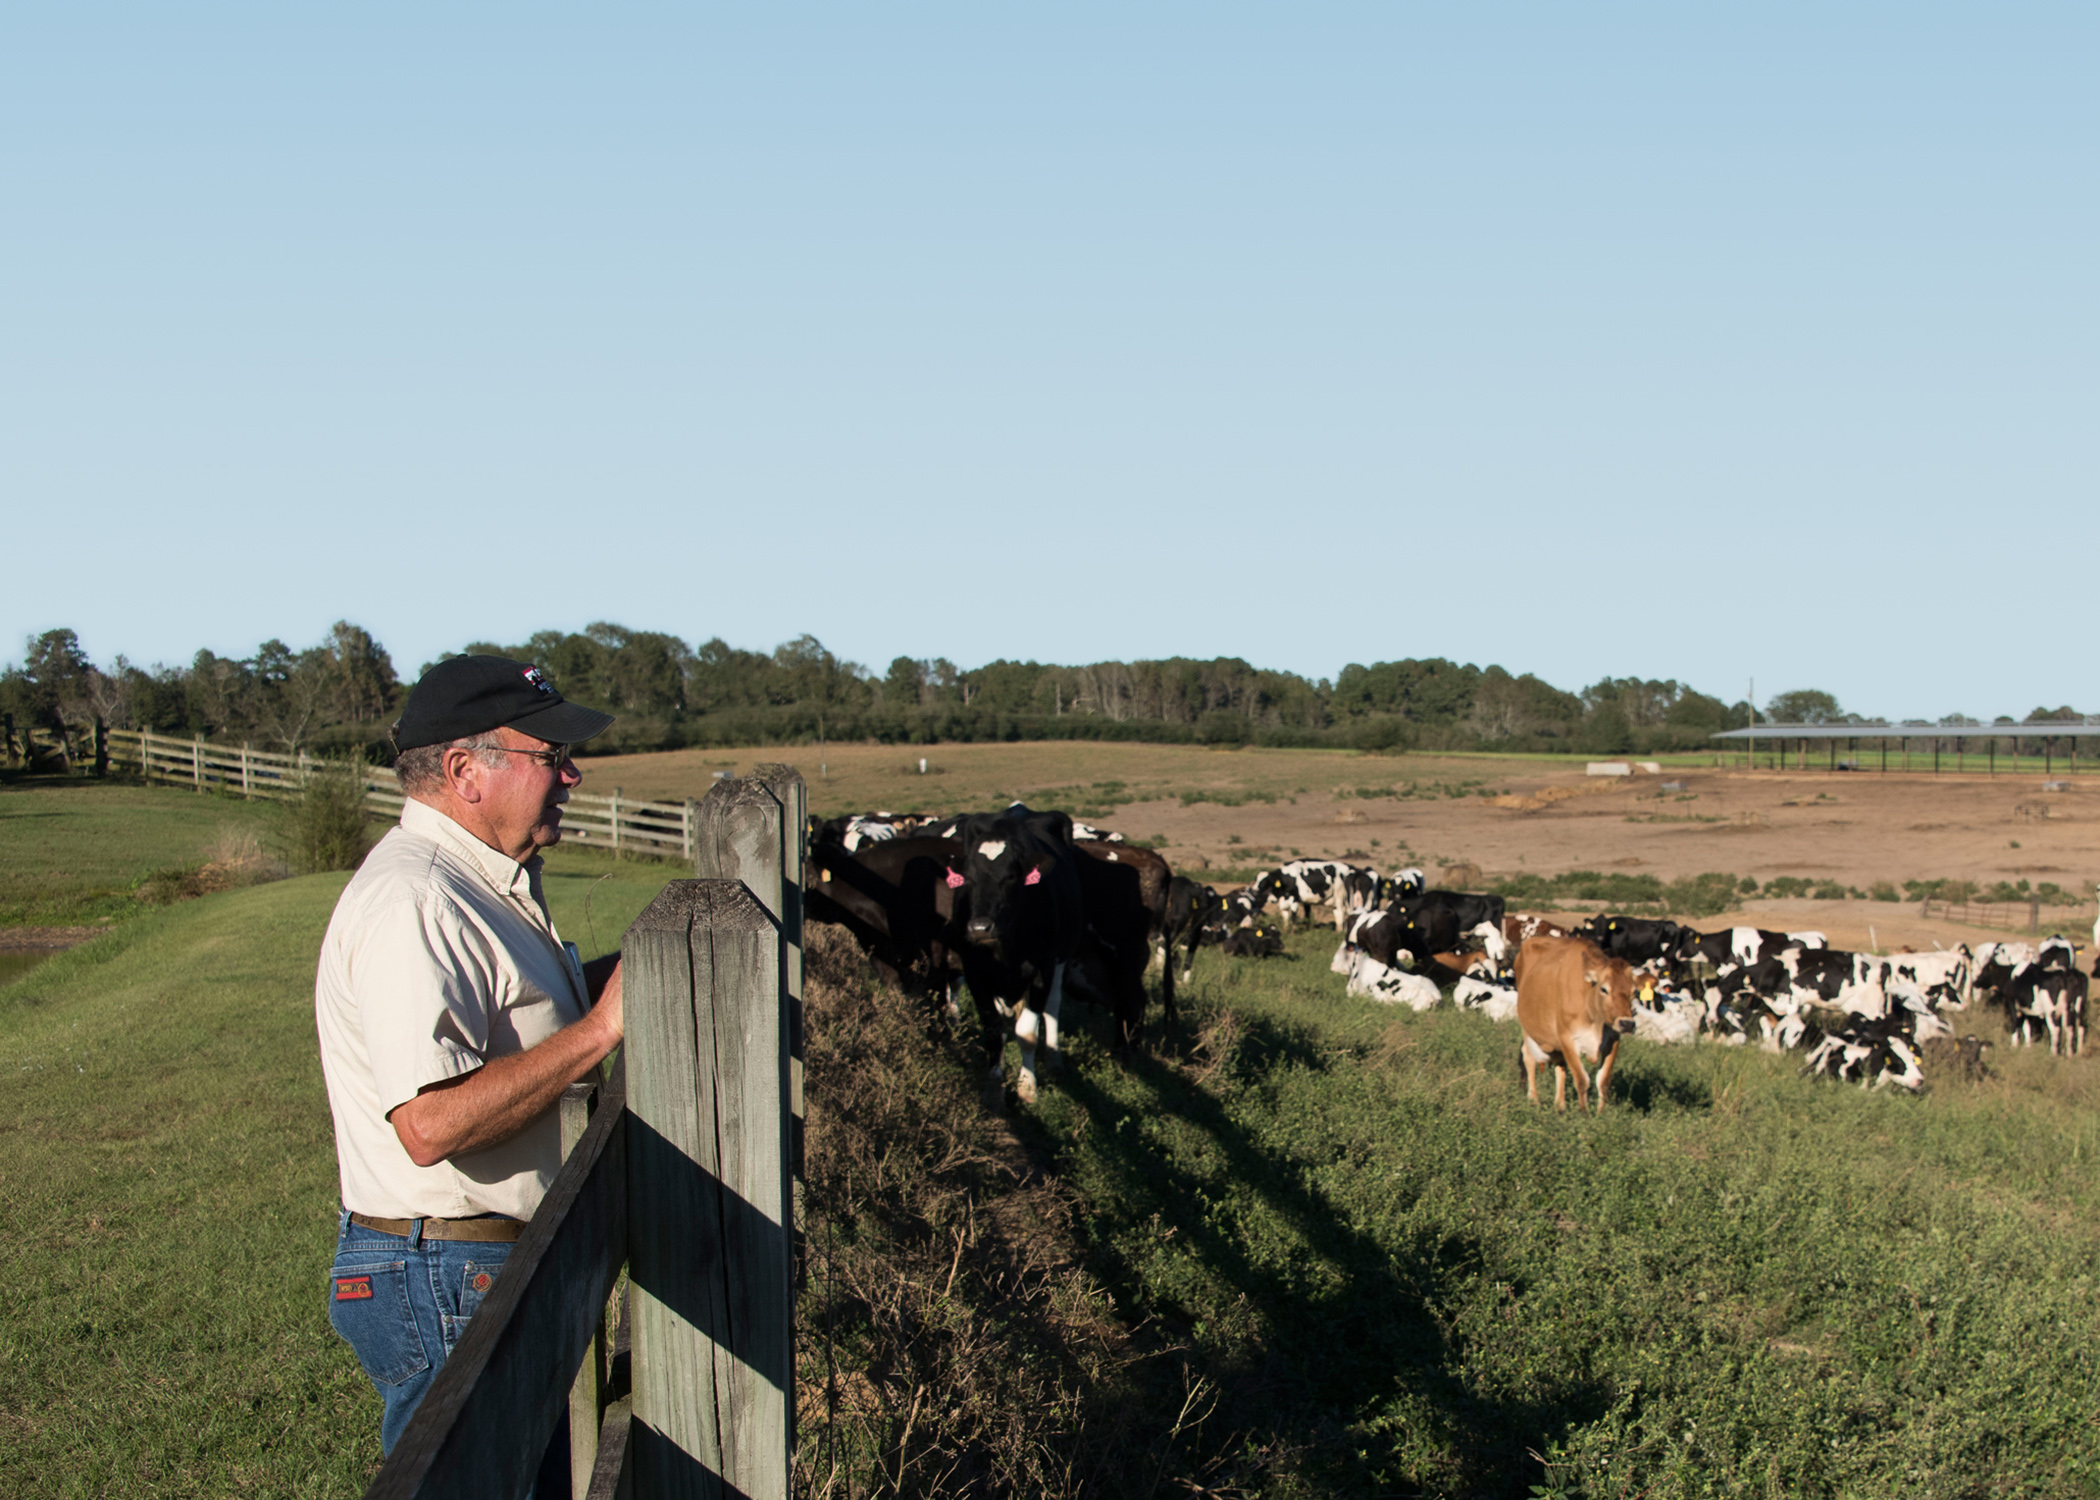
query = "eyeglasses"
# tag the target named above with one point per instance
(553, 758)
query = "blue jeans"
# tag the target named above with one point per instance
(402, 1303)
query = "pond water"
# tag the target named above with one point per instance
(14, 965)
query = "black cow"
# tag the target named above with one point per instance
(1153, 888)
(894, 897)
(1195, 915)
(1108, 965)
(1262, 940)
(1638, 940)
(1469, 910)
(1018, 900)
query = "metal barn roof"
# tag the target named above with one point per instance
(1910, 732)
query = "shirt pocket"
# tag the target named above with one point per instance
(368, 1306)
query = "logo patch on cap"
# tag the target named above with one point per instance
(539, 680)
(353, 1288)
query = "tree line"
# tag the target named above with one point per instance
(340, 694)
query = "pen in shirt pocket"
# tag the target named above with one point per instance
(575, 956)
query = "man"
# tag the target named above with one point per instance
(451, 1017)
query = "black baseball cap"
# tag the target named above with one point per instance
(472, 694)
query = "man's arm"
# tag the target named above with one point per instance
(505, 1094)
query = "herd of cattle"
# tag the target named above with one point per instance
(1024, 907)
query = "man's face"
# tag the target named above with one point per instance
(522, 798)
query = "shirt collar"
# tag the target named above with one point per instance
(502, 872)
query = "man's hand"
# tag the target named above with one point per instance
(505, 1094)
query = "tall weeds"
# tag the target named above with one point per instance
(324, 826)
(950, 1342)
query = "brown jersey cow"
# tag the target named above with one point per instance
(1573, 1002)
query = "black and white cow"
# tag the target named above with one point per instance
(1303, 883)
(1407, 882)
(1086, 833)
(856, 829)
(1942, 977)
(1018, 902)
(1242, 906)
(2046, 1004)
(1873, 1052)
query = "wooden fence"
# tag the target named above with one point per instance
(683, 1179)
(2006, 916)
(617, 822)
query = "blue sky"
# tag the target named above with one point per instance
(1649, 340)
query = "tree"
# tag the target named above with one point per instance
(1804, 706)
(1605, 732)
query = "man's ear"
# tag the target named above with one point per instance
(463, 775)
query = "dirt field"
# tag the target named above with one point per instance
(1503, 814)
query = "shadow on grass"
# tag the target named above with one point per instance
(1329, 1350)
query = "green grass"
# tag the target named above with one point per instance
(168, 1189)
(1341, 1224)
(78, 852)
(1404, 1279)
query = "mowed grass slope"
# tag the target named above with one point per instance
(1401, 1278)
(74, 852)
(168, 1193)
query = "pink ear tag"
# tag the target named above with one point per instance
(954, 880)
(1035, 877)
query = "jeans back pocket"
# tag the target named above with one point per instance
(368, 1305)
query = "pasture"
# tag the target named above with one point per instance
(1230, 812)
(1308, 1245)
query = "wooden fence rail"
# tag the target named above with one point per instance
(2006, 916)
(617, 822)
(683, 1177)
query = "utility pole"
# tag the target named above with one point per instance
(1753, 723)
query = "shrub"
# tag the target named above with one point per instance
(1885, 891)
(324, 826)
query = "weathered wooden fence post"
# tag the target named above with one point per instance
(101, 747)
(713, 977)
(710, 1235)
(197, 762)
(792, 793)
(615, 818)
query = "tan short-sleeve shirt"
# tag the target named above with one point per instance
(440, 956)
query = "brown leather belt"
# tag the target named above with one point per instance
(491, 1227)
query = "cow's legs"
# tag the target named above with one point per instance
(1611, 1055)
(988, 1021)
(1031, 1025)
(1529, 1056)
(1571, 1063)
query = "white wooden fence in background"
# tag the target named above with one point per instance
(622, 824)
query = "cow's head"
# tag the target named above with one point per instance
(1004, 877)
(1610, 999)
